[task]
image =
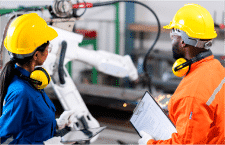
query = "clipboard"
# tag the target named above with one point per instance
(81, 135)
(149, 117)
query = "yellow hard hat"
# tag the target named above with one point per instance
(195, 20)
(26, 33)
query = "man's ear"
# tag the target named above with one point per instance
(182, 43)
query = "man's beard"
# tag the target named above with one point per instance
(176, 54)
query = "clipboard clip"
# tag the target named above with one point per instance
(139, 105)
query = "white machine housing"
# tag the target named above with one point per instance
(67, 93)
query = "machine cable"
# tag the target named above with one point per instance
(155, 41)
(58, 11)
(61, 62)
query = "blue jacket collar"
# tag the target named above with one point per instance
(22, 70)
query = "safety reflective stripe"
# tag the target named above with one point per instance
(215, 92)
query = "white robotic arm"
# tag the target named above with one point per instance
(64, 49)
(103, 61)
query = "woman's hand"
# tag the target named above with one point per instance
(63, 120)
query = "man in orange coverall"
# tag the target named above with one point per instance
(197, 106)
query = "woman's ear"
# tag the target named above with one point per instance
(35, 56)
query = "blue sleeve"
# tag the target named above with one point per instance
(55, 126)
(52, 106)
(14, 114)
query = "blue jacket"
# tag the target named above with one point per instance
(28, 114)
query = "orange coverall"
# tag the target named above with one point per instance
(197, 106)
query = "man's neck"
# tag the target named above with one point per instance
(191, 52)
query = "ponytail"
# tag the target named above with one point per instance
(6, 77)
(9, 71)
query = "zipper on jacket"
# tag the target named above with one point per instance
(44, 98)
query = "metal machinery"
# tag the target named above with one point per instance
(65, 48)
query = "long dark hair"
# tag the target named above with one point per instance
(8, 72)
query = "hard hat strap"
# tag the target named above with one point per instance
(20, 56)
(191, 41)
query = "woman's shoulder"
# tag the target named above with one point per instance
(19, 87)
(17, 84)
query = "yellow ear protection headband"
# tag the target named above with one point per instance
(181, 67)
(39, 78)
(40, 74)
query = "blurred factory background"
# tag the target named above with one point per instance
(124, 29)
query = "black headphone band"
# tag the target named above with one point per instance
(33, 81)
(179, 67)
(201, 56)
(45, 72)
(198, 57)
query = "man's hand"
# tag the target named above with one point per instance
(145, 137)
(63, 120)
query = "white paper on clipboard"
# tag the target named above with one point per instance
(149, 117)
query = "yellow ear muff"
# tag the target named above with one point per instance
(41, 75)
(178, 69)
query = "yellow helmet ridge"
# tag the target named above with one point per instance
(26, 33)
(195, 21)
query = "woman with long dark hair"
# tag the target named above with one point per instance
(27, 114)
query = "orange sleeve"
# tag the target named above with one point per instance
(192, 119)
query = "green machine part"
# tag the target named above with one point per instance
(117, 28)
(93, 42)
